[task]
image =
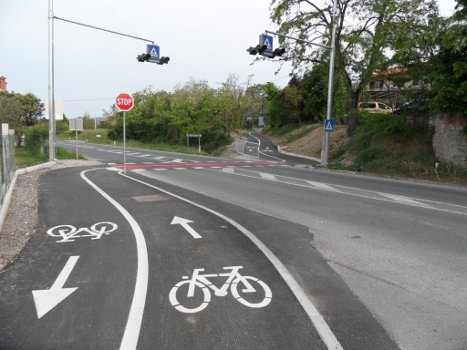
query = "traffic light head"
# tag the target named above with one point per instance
(261, 48)
(143, 57)
(252, 50)
(279, 51)
(164, 60)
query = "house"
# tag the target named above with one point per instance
(394, 86)
(3, 84)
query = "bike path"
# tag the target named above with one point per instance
(225, 323)
(95, 315)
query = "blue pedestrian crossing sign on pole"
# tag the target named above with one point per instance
(266, 40)
(329, 125)
(154, 53)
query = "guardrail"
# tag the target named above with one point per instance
(246, 148)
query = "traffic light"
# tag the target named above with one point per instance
(144, 57)
(163, 60)
(279, 51)
(261, 49)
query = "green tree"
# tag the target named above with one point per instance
(31, 108)
(10, 111)
(449, 67)
(20, 110)
(368, 32)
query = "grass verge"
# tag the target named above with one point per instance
(25, 158)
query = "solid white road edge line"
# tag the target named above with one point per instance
(264, 154)
(318, 321)
(135, 317)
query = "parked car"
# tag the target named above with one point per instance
(374, 107)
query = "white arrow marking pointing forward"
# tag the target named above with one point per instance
(184, 222)
(47, 299)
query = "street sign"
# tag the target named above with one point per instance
(329, 125)
(124, 102)
(154, 53)
(266, 40)
(75, 124)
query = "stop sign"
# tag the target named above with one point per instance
(124, 102)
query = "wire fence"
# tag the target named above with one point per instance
(246, 148)
(7, 162)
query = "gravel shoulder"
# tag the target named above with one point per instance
(22, 216)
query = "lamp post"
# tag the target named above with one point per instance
(332, 49)
(51, 92)
(51, 84)
(327, 135)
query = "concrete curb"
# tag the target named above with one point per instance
(297, 155)
(35, 167)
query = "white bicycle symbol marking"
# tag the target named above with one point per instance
(233, 280)
(68, 232)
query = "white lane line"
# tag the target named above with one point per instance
(268, 176)
(228, 170)
(135, 317)
(133, 154)
(159, 158)
(322, 186)
(145, 155)
(377, 196)
(404, 200)
(264, 154)
(176, 160)
(318, 321)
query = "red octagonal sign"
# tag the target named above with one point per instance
(124, 102)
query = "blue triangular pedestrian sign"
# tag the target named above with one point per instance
(329, 125)
(266, 40)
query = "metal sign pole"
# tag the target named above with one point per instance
(326, 137)
(51, 84)
(124, 142)
(199, 144)
(76, 140)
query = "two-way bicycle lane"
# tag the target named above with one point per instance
(118, 264)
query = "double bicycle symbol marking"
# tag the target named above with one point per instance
(234, 280)
(68, 233)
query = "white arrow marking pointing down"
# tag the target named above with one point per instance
(47, 299)
(184, 223)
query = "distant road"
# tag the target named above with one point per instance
(268, 150)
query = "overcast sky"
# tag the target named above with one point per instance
(205, 39)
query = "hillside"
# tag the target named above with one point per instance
(308, 139)
(379, 145)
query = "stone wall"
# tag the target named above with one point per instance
(449, 143)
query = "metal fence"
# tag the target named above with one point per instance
(8, 161)
(247, 148)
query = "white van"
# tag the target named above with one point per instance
(374, 107)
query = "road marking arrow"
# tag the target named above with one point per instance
(184, 223)
(47, 299)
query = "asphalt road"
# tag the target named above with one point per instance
(105, 270)
(383, 262)
(265, 149)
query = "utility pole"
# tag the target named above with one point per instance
(327, 135)
(332, 48)
(51, 91)
(51, 84)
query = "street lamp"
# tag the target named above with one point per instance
(51, 92)
(332, 49)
